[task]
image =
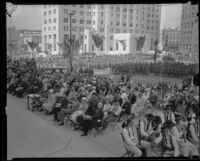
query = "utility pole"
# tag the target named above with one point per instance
(70, 41)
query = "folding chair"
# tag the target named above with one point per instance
(180, 110)
(129, 153)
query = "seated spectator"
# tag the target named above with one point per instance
(69, 110)
(126, 108)
(112, 115)
(131, 137)
(169, 142)
(146, 126)
(169, 115)
(49, 104)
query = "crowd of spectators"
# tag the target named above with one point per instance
(152, 122)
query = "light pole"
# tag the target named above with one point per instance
(70, 41)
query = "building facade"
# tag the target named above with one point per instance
(12, 40)
(104, 20)
(189, 43)
(171, 39)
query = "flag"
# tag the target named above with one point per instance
(123, 42)
(98, 40)
(140, 42)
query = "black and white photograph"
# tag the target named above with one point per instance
(102, 80)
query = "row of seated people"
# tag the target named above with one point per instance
(151, 137)
(84, 113)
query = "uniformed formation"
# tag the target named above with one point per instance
(159, 119)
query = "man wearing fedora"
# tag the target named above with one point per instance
(169, 115)
(169, 142)
(132, 140)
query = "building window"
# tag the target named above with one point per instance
(136, 25)
(101, 6)
(65, 28)
(125, 16)
(116, 45)
(131, 10)
(92, 47)
(50, 12)
(102, 14)
(81, 6)
(111, 37)
(124, 31)
(131, 31)
(93, 22)
(49, 28)
(49, 36)
(147, 27)
(44, 6)
(73, 5)
(101, 22)
(117, 30)
(54, 11)
(45, 21)
(54, 28)
(44, 28)
(125, 9)
(118, 8)
(88, 13)
(65, 19)
(54, 20)
(111, 48)
(45, 13)
(49, 20)
(111, 23)
(94, 13)
(81, 13)
(65, 11)
(73, 20)
(88, 6)
(118, 24)
(101, 29)
(73, 12)
(124, 24)
(88, 22)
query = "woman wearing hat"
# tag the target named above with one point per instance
(131, 137)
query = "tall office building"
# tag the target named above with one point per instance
(189, 43)
(105, 20)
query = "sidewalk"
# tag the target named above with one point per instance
(37, 135)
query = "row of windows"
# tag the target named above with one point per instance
(50, 21)
(187, 25)
(49, 12)
(49, 28)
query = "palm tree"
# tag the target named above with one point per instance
(73, 45)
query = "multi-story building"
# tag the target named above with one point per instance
(171, 39)
(12, 38)
(189, 43)
(105, 20)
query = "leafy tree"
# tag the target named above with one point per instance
(66, 45)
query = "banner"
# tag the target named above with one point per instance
(140, 42)
(123, 42)
(98, 40)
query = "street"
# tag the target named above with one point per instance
(34, 134)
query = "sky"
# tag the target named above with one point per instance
(30, 16)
